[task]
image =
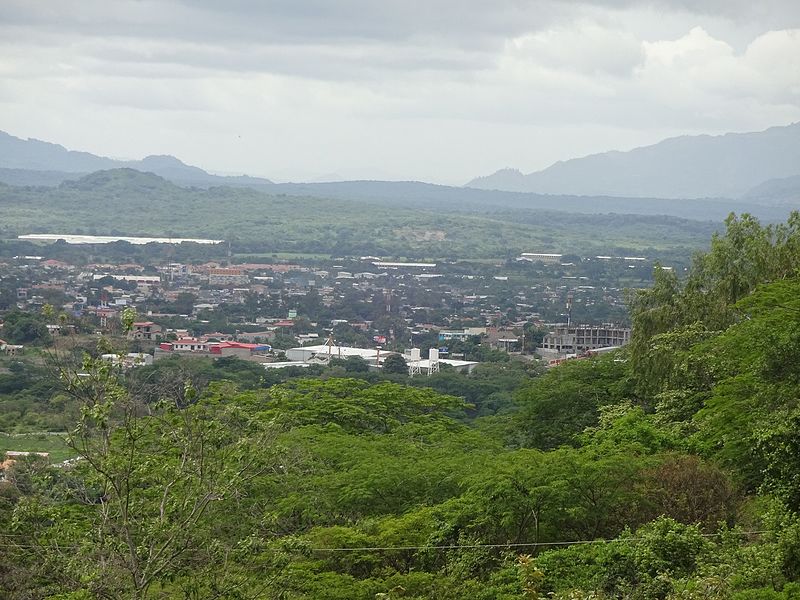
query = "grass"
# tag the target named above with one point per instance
(37, 442)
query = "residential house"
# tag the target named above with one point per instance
(145, 330)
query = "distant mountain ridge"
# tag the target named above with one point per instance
(18, 157)
(783, 191)
(428, 197)
(23, 162)
(703, 166)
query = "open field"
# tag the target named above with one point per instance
(37, 442)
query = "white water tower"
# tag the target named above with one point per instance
(413, 365)
(433, 361)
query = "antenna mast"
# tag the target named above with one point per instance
(569, 308)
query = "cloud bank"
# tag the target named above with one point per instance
(442, 91)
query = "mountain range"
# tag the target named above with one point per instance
(20, 160)
(695, 177)
(734, 165)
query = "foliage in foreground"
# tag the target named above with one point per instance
(669, 470)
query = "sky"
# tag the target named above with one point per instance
(434, 90)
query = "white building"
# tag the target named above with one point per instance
(323, 351)
(461, 334)
(548, 259)
(189, 345)
(465, 366)
(430, 365)
(400, 265)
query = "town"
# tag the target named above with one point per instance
(310, 310)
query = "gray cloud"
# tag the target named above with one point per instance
(444, 89)
(321, 21)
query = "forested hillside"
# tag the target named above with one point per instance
(668, 470)
(769, 201)
(125, 201)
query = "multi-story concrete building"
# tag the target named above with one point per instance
(573, 339)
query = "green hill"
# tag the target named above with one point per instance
(125, 201)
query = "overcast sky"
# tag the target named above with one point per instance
(434, 90)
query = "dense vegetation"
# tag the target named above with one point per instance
(668, 470)
(31, 398)
(258, 222)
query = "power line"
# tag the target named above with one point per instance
(438, 547)
(507, 545)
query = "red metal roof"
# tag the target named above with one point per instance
(237, 345)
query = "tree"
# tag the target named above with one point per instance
(395, 364)
(355, 405)
(24, 328)
(556, 408)
(149, 500)
(184, 303)
(647, 563)
(747, 255)
(691, 491)
(8, 298)
(351, 364)
(153, 491)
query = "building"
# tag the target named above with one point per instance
(324, 351)
(548, 259)
(463, 366)
(227, 276)
(189, 345)
(430, 365)
(240, 350)
(284, 365)
(130, 360)
(145, 330)
(575, 339)
(255, 336)
(137, 279)
(10, 349)
(400, 265)
(461, 334)
(202, 348)
(503, 339)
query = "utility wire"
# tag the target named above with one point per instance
(507, 545)
(438, 547)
